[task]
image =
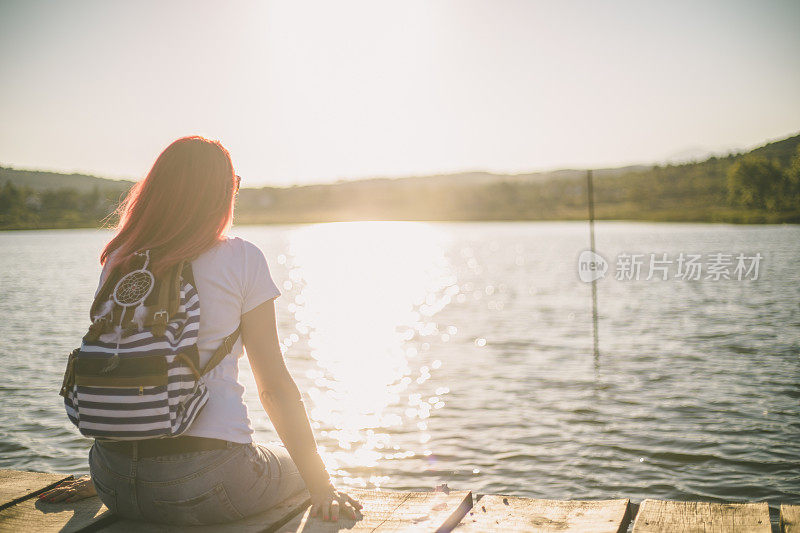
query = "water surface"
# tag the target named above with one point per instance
(461, 353)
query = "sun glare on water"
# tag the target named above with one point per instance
(366, 293)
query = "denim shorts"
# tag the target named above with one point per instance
(207, 487)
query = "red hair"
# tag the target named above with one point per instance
(180, 209)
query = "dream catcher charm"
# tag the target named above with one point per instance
(131, 290)
(134, 287)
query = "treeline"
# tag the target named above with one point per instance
(760, 186)
(757, 187)
(28, 208)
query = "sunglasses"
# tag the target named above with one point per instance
(238, 183)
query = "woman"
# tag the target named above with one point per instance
(214, 473)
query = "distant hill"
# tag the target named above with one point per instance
(460, 179)
(696, 191)
(779, 151)
(693, 191)
(41, 180)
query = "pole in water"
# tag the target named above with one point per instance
(590, 192)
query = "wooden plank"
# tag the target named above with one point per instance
(34, 514)
(266, 521)
(790, 518)
(16, 486)
(495, 513)
(656, 516)
(392, 511)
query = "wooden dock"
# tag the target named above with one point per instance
(447, 510)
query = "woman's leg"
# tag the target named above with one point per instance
(268, 477)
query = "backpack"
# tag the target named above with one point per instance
(137, 372)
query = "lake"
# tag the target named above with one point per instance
(461, 353)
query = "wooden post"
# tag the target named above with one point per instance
(590, 194)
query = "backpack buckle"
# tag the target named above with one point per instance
(228, 346)
(160, 319)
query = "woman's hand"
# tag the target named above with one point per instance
(331, 502)
(70, 490)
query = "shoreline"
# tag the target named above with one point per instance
(444, 221)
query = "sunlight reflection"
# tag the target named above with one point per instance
(367, 292)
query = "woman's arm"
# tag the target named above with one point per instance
(283, 403)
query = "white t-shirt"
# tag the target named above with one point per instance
(232, 278)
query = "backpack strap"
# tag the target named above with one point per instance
(224, 349)
(161, 313)
(178, 276)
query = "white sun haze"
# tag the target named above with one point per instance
(309, 92)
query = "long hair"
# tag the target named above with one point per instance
(182, 208)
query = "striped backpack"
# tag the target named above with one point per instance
(137, 372)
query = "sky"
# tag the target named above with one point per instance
(309, 92)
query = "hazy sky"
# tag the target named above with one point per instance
(307, 92)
